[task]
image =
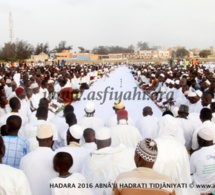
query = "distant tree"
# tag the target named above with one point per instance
(41, 48)
(131, 48)
(24, 50)
(143, 45)
(8, 51)
(82, 50)
(62, 46)
(100, 50)
(204, 53)
(181, 53)
(19, 50)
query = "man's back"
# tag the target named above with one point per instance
(16, 148)
(91, 122)
(38, 167)
(148, 126)
(142, 175)
(125, 134)
(202, 166)
(103, 166)
(13, 181)
(78, 154)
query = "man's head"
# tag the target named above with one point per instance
(68, 108)
(62, 162)
(74, 134)
(13, 124)
(90, 108)
(183, 82)
(35, 88)
(44, 84)
(205, 137)
(206, 99)
(42, 113)
(20, 93)
(183, 111)
(14, 104)
(89, 135)
(192, 97)
(71, 119)
(44, 102)
(45, 135)
(146, 153)
(205, 114)
(103, 138)
(147, 111)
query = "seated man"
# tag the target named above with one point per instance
(145, 157)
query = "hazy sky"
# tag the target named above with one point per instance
(90, 23)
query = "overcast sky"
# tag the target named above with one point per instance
(90, 23)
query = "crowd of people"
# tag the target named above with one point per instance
(43, 152)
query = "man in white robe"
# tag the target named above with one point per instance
(172, 159)
(186, 125)
(74, 134)
(104, 165)
(124, 133)
(38, 164)
(89, 120)
(148, 124)
(35, 99)
(205, 116)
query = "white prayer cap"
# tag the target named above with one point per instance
(103, 134)
(208, 82)
(90, 107)
(172, 82)
(191, 94)
(168, 81)
(34, 85)
(30, 76)
(177, 82)
(162, 75)
(199, 93)
(206, 134)
(152, 75)
(76, 131)
(1, 77)
(8, 81)
(44, 131)
(50, 81)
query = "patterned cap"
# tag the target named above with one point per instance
(147, 149)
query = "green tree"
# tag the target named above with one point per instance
(204, 53)
(41, 48)
(181, 53)
(62, 46)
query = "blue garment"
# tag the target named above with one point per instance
(16, 148)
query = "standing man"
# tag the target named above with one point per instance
(37, 165)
